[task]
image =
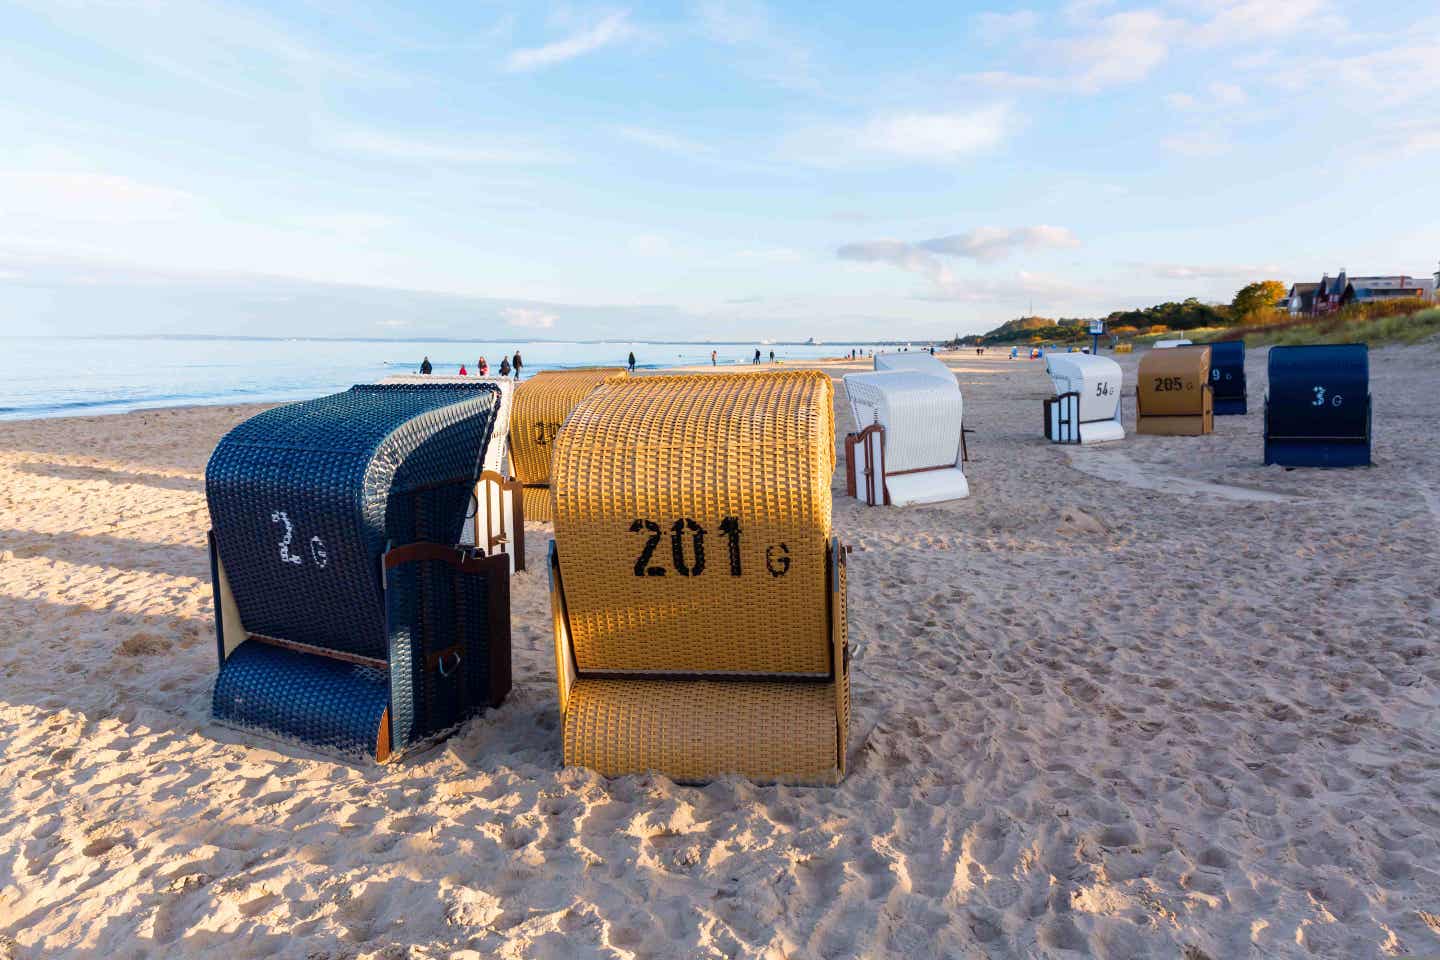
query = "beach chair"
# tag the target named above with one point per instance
(907, 448)
(1317, 406)
(1086, 405)
(1174, 396)
(346, 616)
(497, 516)
(698, 594)
(541, 405)
(1227, 377)
(1171, 344)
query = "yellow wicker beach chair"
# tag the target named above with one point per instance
(541, 405)
(1173, 396)
(698, 595)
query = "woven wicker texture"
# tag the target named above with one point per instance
(324, 703)
(1335, 375)
(1227, 376)
(304, 497)
(1171, 381)
(497, 451)
(921, 415)
(916, 362)
(536, 503)
(541, 405)
(692, 517)
(694, 730)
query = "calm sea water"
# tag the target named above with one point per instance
(51, 377)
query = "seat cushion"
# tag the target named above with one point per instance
(697, 730)
(929, 486)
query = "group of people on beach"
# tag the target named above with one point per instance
(508, 366)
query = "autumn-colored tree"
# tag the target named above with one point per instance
(1255, 297)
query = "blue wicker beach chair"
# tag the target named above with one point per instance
(1227, 377)
(1317, 407)
(345, 616)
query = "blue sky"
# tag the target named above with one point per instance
(705, 169)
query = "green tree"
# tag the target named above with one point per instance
(1257, 296)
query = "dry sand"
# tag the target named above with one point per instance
(1147, 700)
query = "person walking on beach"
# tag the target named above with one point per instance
(712, 358)
(772, 356)
(515, 365)
(482, 368)
(462, 371)
(632, 361)
(756, 361)
(425, 367)
(504, 367)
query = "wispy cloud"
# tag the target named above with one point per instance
(87, 196)
(987, 244)
(983, 245)
(768, 50)
(528, 317)
(1197, 143)
(663, 141)
(427, 149)
(610, 29)
(1217, 96)
(905, 136)
(1234, 272)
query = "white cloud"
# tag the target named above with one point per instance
(1218, 96)
(611, 29)
(995, 27)
(76, 196)
(1243, 21)
(528, 317)
(987, 244)
(663, 141)
(769, 50)
(414, 149)
(1124, 48)
(1197, 144)
(906, 135)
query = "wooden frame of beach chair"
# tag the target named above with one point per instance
(499, 522)
(1173, 396)
(870, 444)
(697, 727)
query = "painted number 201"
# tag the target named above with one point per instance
(687, 547)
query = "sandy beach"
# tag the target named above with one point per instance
(1147, 699)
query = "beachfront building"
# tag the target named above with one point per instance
(1332, 293)
(1302, 298)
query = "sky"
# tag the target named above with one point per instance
(698, 170)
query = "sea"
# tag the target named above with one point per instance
(81, 376)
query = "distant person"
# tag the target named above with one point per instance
(713, 355)
(515, 365)
(632, 361)
(756, 361)
(463, 372)
(482, 367)
(772, 356)
(504, 367)
(425, 367)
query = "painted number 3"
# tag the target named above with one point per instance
(317, 546)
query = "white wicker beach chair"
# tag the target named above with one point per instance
(908, 435)
(498, 524)
(1086, 405)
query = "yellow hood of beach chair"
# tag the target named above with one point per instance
(539, 409)
(692, 517)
